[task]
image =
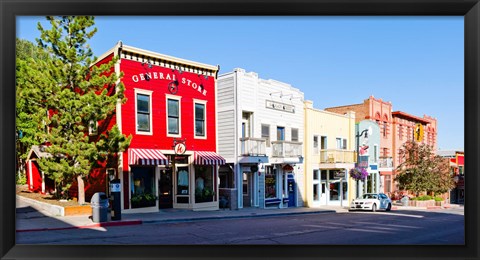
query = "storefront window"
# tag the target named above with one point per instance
(143, 193)
(334, 189)
(270, 183)
(182, 181)
(388, 183)
(323, 175)
(315, 192)
(204, 191)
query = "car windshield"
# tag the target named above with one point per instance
(369, 196)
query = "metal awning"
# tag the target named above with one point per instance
(138, 156)
(208, 158)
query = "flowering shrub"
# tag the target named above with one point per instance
(358, 173)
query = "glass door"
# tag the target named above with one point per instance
(165, 189)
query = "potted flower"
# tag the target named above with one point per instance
(358, 173)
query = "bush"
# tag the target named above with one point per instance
(424, 197)
(22, 179)
(438, 198)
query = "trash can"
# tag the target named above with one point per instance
(99, 204)
(404, 201)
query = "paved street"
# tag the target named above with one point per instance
(400, 227)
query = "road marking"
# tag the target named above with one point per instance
(392, 214)
(403, 215)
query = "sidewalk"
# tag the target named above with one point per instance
(29, 218)
(34, 220)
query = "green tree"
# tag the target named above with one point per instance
(29, 110)
(421, 170)
(74, 96)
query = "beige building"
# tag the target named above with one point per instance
(329, 149)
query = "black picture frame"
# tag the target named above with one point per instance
(470, 9)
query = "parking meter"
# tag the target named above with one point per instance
(115, 191)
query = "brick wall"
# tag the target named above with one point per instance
(361, 110)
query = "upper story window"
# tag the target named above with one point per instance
(341, 143)
(266, 134)
(315, 144)
(200, 116)
(294, 134)
(143, 111)
(280, 133)
(173, 113)
(385, 129)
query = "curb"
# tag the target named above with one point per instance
(102, 224)
(38, 205)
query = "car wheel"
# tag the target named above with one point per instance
(389, 207)
(374, 207)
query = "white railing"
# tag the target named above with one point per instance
(253, 146)
(337, 156)
(286, 149)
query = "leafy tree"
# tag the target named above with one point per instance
(28, 108)
(73, 96)
(421, 170)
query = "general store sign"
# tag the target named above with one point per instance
(280, 106)
(156, 75)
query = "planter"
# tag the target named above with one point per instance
(440, 203)
(421, 203)
(78, 210)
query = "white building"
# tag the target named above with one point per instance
(260, 134)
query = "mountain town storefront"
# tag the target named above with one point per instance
(170, 113)
(160, 179)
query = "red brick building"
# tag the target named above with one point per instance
(396, 127)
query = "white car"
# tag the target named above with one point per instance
(372, 201)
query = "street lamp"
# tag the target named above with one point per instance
(365, 133)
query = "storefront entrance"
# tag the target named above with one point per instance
(165, 189)
(247, 189)
(292, 197)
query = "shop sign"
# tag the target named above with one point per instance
(156, 75)
(180, 148)
(339, 174)
(280, 106)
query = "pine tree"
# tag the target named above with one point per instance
(74, 97)
(421, 170)
(29, 110)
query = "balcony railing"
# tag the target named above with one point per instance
(385, 162)
(253, 146)
(337, 156)
(286, 149)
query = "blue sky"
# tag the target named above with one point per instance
(417, 63)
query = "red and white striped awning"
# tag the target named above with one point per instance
(208, 158)
(146, 157)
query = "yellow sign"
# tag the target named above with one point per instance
(418, 132)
